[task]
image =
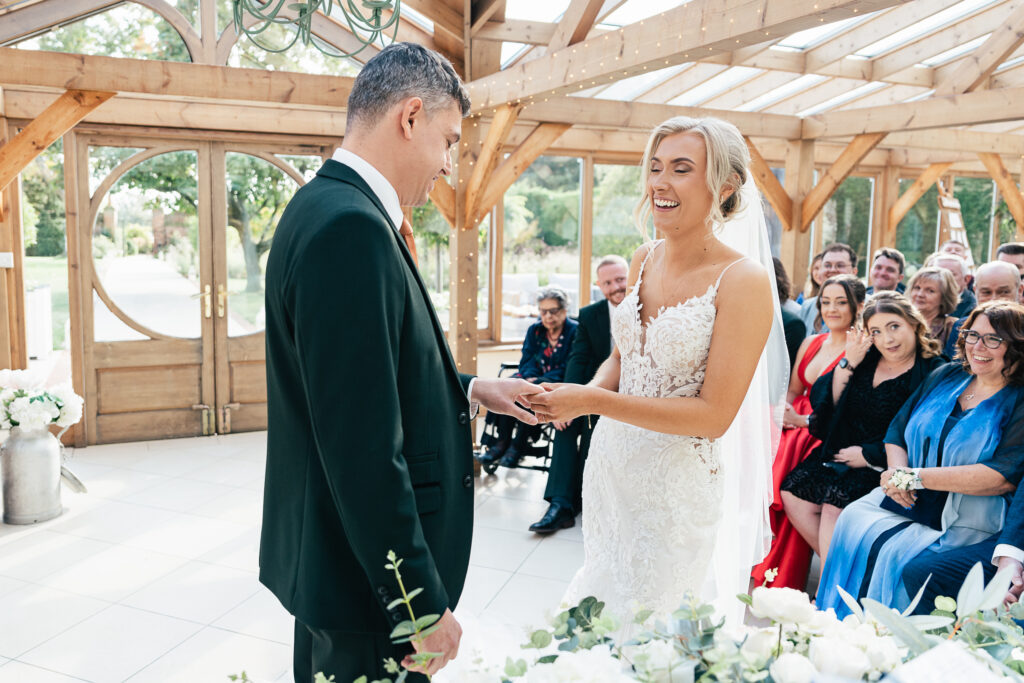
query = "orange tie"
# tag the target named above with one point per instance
(406, 231)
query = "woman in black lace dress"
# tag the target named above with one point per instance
(853, 406)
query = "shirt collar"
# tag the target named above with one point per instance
(379, 185)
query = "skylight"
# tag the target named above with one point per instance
(715, 85)
(536, 10)
(802, 40)
(844, 98)
(957, 51)
(633, 11)
(782, 92)
(631, 88)
(926, 25)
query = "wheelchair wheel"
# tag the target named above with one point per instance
(490, 467)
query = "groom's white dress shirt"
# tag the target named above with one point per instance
(387, 195)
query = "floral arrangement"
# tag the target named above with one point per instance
(25, 403)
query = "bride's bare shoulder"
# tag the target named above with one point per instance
(638, 259)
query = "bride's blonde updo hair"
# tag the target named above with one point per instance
(727, 161)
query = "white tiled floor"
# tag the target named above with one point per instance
(152, 575)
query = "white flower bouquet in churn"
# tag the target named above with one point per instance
(30, 458)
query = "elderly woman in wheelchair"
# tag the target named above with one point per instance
(545, 355)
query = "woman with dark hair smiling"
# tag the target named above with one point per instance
(853, 406)
(954, 450)
(839, 306)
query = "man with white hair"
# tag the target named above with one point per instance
(958, 267)
(994, 281)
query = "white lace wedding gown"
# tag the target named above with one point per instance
(652, 501)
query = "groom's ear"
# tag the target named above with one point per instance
(411, 114)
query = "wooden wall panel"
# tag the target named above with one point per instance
(125, 390)
(144, 426)
(248, 384)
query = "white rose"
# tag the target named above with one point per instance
(71, 408)
(659, 661)
(759, 647)
(884, 654)
(596, 665)
(824, 621)
(20, 379)
(839, 658)
(792, 668)
(782, 605)
(33, 415)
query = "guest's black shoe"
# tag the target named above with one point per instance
(493, 453)
(557, 517)
(511, 458)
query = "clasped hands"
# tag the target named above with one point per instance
(903, 497)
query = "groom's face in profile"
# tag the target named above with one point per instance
(431, 136)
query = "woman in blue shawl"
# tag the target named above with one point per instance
(954, 451)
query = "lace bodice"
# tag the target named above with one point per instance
(668, 356)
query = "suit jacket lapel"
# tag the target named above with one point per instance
(341, 172)
(604, 330)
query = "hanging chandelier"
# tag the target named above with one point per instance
(367, 25)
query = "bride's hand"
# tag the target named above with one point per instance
(561, 402)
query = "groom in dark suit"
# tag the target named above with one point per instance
(591, 347)
(368, 445)
(949, 569)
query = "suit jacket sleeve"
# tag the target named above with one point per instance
(354, 403)
(581, 355)
(1013, 529)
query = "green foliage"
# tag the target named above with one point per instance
(42, 186)
(849, 213)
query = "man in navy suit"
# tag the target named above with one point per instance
(591, 346)
(949, 569)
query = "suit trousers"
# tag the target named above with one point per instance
(344, 655)
(568, 456)
(948, 570)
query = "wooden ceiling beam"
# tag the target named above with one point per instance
(57, 119)
(173, 79)
(770, 186)
(25, 21)
(443, 196)
(958, 140)
(1007, 188)
(830, 181)
(700, 27)
(982, 106)
(482, 13)
(575, 23)
(517, 31)
(980, 64)
(490, 154)
(535, 144)
(907, 200)
(643, 116)
(445, 18)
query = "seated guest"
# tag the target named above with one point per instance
(1012, 252)
(590, 347)
(957, 267)
(853, 405)
(839, 304)
(994, 281)
(887, 271)
(792, 325)
(954, 449)
(545, 354)
(933, 292)
(955, 247)
(814, 280)
(836, 259)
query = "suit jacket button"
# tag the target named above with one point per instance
(382, 591)
(463, 418)
(467, 481)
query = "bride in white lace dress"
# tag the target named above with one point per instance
(688, 338)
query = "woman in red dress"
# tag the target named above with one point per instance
(839, 304)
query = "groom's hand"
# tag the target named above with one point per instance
(503, 396)
(444, 641)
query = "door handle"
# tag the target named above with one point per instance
(207, 418)
(225, 413)
(207, 298)
(222, 300)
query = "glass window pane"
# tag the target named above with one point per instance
(541, 241)
(975, 195)
(917, 233)
(145, 248)
(616, 192)
(298, 57)
(127, 30)
(846, 218)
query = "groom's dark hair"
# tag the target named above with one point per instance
(404, 70)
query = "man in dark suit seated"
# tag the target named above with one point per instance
(592, 345)
(949, 569)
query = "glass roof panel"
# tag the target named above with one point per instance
(633, 87)
(926, 25)
(633, 11)
(845, 97)
(811, 37)
(955, 52)
(715, 85)
(510, 51)
(782, 92)
(536, 10)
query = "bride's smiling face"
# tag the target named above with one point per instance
(677, 183)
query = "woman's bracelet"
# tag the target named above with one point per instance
(906, 479)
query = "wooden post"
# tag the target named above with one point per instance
(74, 195)
(1004, 181)
(586, 230)
(462, 321)
(796, 243)
(886, 190)
(12, 319)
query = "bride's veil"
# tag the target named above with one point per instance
(748, 447)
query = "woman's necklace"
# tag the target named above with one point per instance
(977, 390)
(552, 340)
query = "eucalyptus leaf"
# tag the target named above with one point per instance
(570, 645)
(745, 599)
(514, 669)
(395, 603)
(917, 598)
(642, 616)
(945, 604)
(897, 625)
(405, 628)
(426, 620)
(930, 622)
(969, 597)
(540, 639)
(851, 603)
(413, 593)
(996, 589)
(547, 659)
